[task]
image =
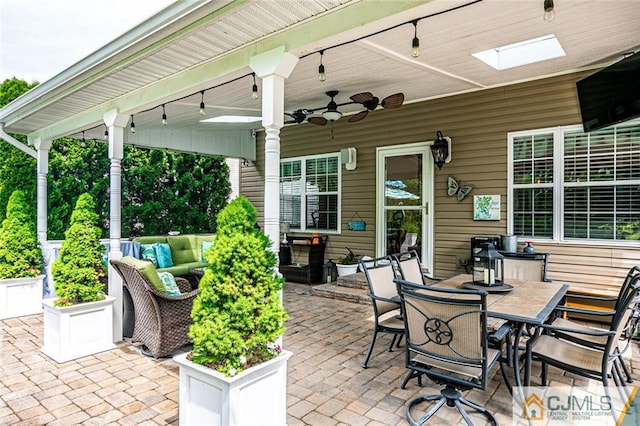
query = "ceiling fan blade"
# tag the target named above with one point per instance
(359, 116)
(361, 97)
(320, 121)
(393, 101)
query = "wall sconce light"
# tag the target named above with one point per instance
(348, 157)
(441, 150)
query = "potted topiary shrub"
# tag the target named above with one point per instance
(20, 261)
(236, 371)
(79, 321)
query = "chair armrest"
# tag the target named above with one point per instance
(384, 299)
(162, 296)
(588, 297)
(184, 285)
(585, 311)
(550, 328)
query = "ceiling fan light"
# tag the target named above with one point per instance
(332, 115)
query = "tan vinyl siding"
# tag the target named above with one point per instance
(478, 124)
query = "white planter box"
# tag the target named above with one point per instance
(344, 270)
(20, 296)
(257, 396)
(75, 331)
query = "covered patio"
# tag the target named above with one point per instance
(326, 382)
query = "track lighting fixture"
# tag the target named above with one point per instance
(106, 132)
(164, 116)
(133, 125)
(415, 43)
(321, 75)
(254, 89)
(202, 102)
(549, 11)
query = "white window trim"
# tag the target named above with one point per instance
(558, 187)
(303, 206)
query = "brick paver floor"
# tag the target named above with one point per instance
(327, 384)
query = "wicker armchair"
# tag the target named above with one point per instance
(161, 322)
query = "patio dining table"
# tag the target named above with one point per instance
(527, 305)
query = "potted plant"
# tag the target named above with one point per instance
(347, 264)
(238, 320)
(79, 321)
(20, 261)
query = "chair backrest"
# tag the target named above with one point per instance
(380, 275)
(525, 266)
(627, 285)
(625, 314)
(447, 328)
(409, 266)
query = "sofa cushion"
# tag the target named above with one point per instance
(148, 270)
(183, 269)
(164, 255)
(148, 251)
(150, 239)
(201, 239)
(169, 283)
(183, 248)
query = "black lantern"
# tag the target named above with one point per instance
(488, 267)
(440, 150)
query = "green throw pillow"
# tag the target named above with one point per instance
(147, 251)
(205, 247)
(169, 282)
(148, 270)
(163, 253)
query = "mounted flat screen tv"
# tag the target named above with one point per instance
(611, 95)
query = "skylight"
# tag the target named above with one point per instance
(231, 119)
(522, 53)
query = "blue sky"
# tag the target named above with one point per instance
(41, 38)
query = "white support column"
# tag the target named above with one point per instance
(42, 170)
(273, 67)
(115, 125)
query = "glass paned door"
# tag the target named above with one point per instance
(402, 212)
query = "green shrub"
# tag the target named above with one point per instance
(78, 271)
(20, 253)
(237, 316)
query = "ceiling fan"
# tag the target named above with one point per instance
(331, 113)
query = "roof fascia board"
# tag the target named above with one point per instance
(348, 22)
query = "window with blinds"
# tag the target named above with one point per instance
(570, 185)
(310, 193)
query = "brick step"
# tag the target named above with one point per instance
(357, 280)
(339, 292)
